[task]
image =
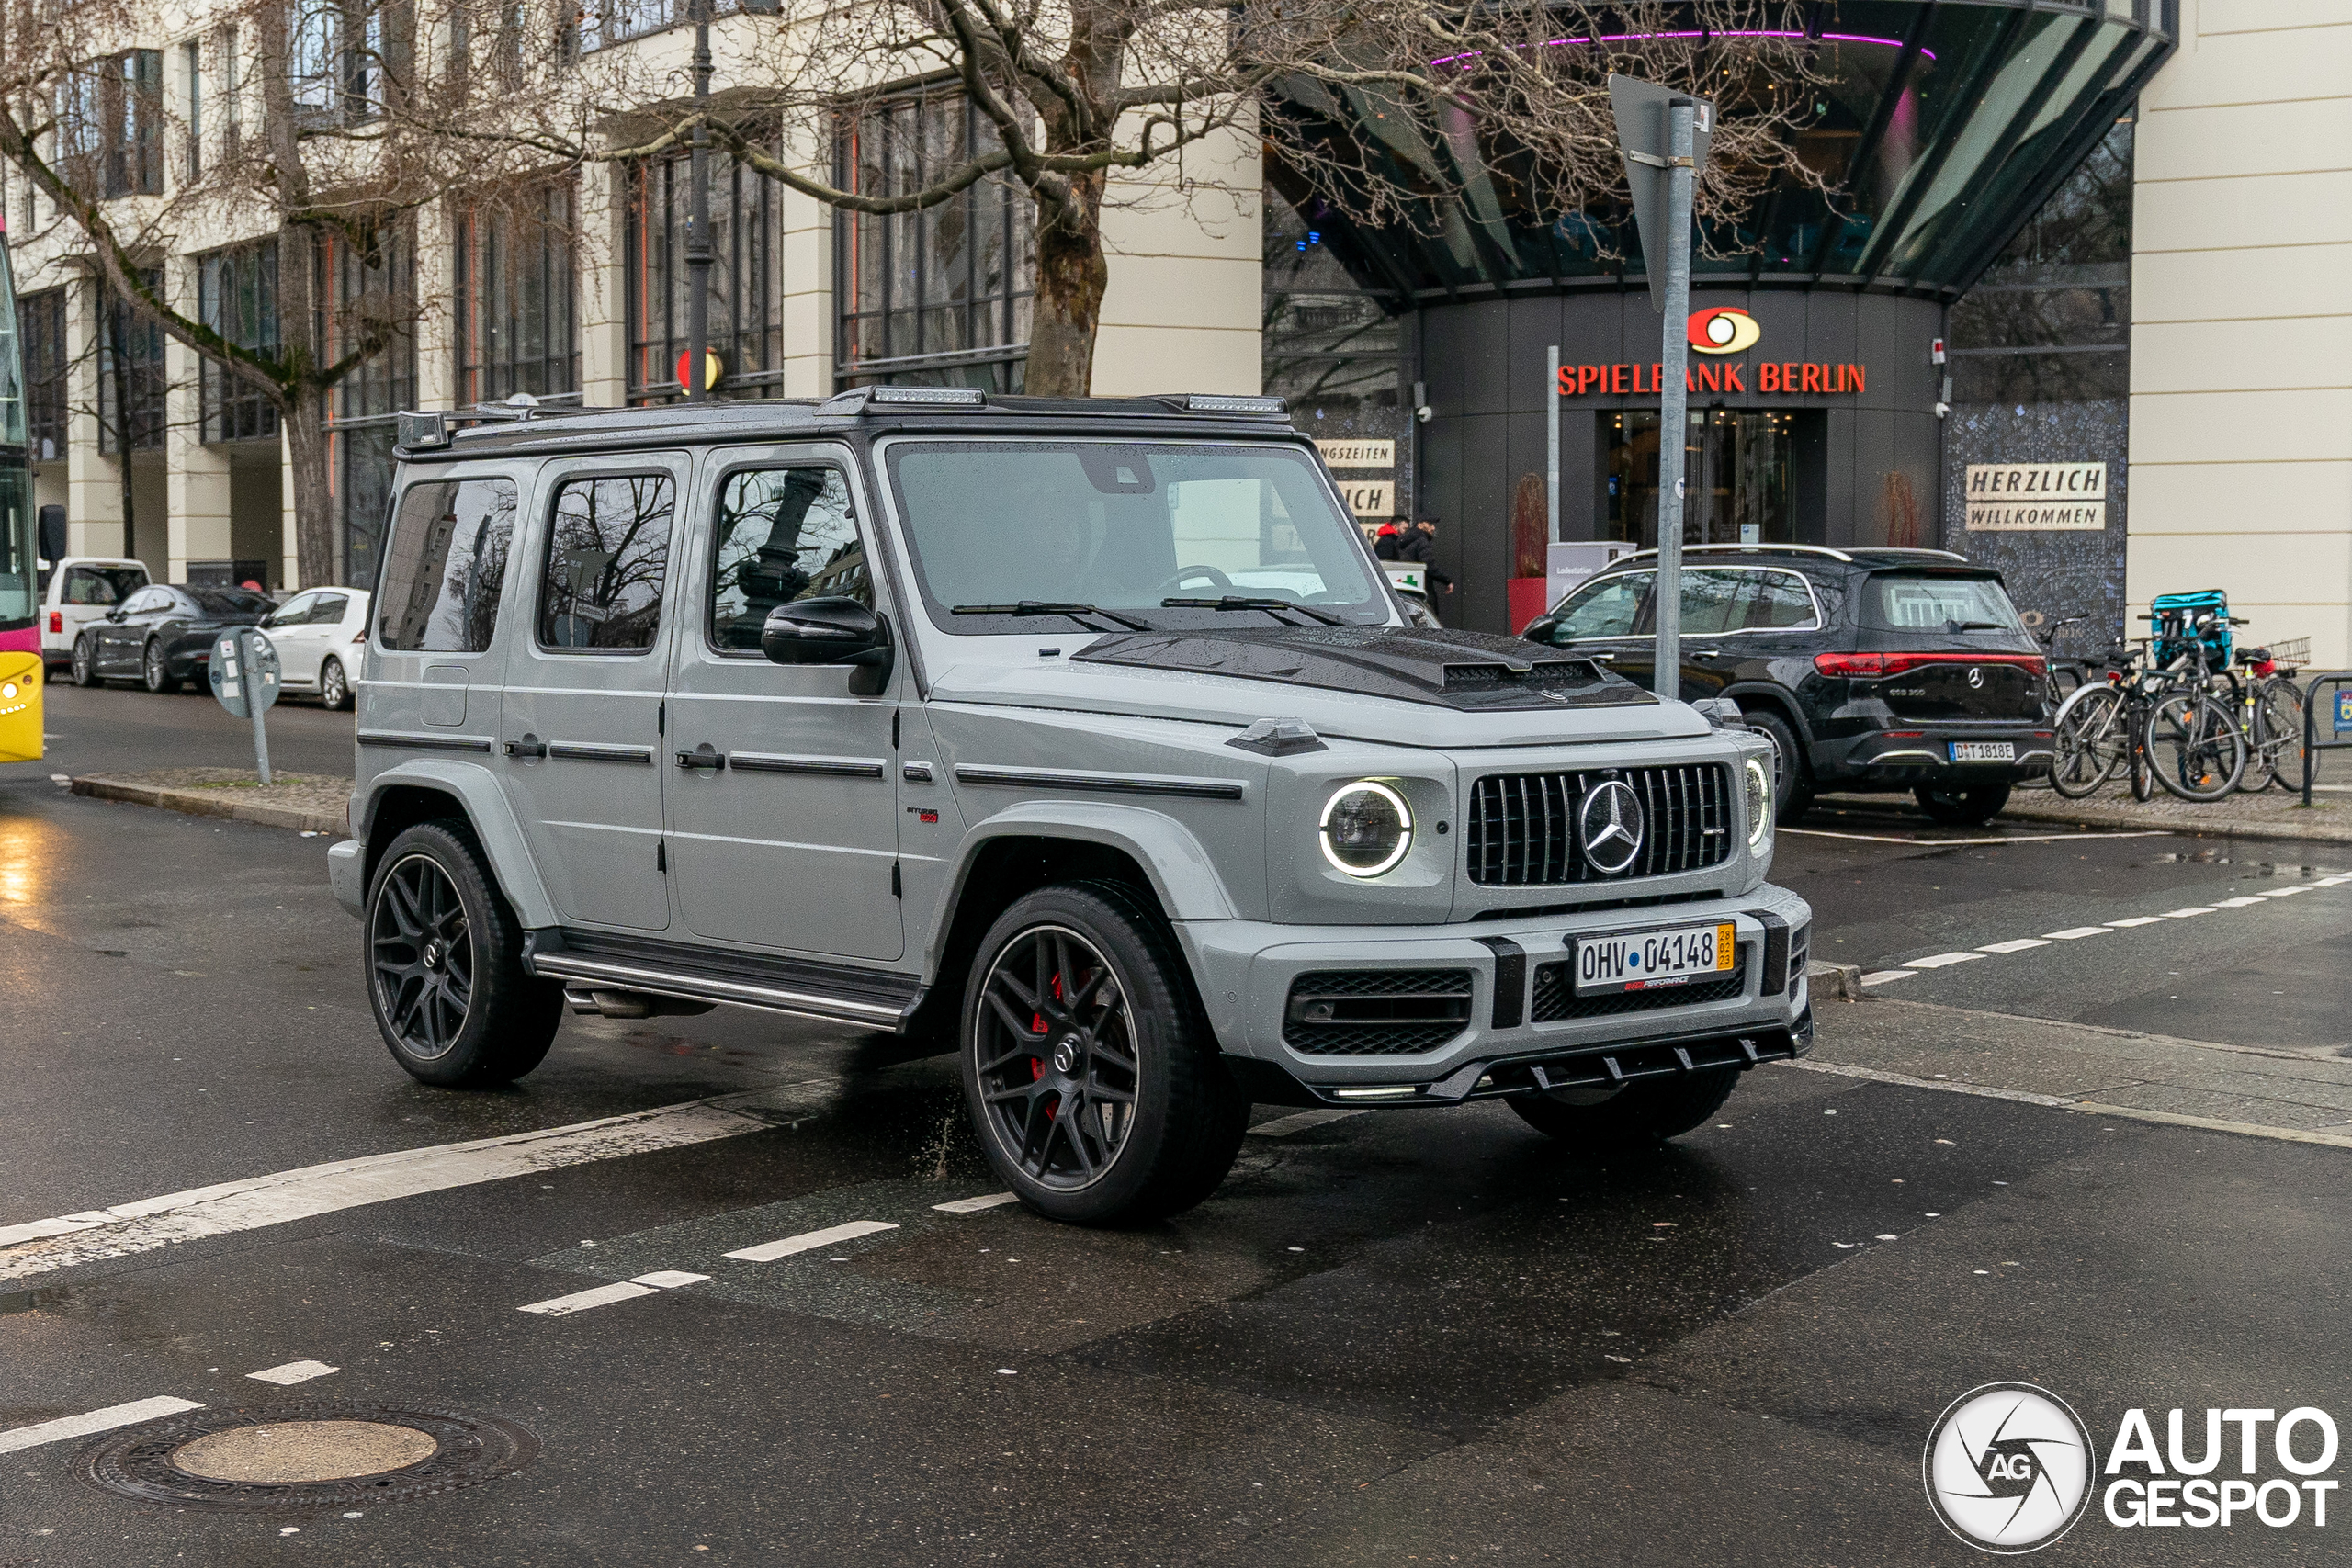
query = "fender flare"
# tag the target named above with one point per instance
(1182, 877)
(1777, 698)
(479, 795)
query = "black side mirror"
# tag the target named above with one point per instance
(115, 614)
(1542, 628)
(832, 631)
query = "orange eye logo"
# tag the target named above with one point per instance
(1726, 329)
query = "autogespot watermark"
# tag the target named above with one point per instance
(2010, 1468)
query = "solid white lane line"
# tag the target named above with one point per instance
(104, 1420)
(1299, 1122)
(2237, 903)
(603, 1295)
(2017, 945)
(1939, 960)
(1882, 977)
(974, 1205)
(669, 1278)
(293, 1372)
(809, 1241)
(2137, 920)
(2185, 914)
(256, 1202)
(2075, 933)
(1937, 843)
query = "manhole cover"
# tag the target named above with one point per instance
(315, 1455)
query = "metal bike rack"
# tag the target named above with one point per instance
(2339, 680)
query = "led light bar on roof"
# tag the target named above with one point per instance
(965, 396)
(421, 430)
(1208, 402)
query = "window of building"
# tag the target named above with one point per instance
(608, 552)
(447, 568)
(745, 328)
(237, 297)
(110, 125)
(374, 287)
(518, 325)
(192, 60)
(939, 296)
(1335, 350)
(1739, 469)
(42, 321)
(348, 57)
(131, 376)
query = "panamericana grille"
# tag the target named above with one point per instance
(1522, 826)
(1556, 996)
(1375, 1012)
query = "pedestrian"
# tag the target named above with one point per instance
(1422, 545)
(1388, 542)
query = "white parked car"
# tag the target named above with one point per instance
(79, 589)
(319, 635)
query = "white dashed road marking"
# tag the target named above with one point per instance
(1938, 843)
(2016, 945)
(1299, 1122)
(2185, 914)
(2137, 920)
(2075, 933)
(1882, 977)
(605, 1295)
(1941, 960)
(809, 1241)
(2072, 933)
(104, 1420)
(974, 1205)
(293, 1372)
(2237, 903)
(2284, 892)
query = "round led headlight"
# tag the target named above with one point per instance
(1759, 801)
(1366, 828)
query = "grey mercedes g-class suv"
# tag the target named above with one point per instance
(1085, 738)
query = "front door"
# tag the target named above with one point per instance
(581, 750)
(783, 788)
(295, 639)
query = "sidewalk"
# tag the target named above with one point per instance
(2271, 814)
(310, 802)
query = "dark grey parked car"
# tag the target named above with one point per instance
(1085, 739)
(163, 634)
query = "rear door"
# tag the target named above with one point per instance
(783, 784)
(582, 744)
(296, 641)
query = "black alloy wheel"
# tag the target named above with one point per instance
(444, 972)
(155, 670)
(334, 689)
(1058, 1062)
(86, 660)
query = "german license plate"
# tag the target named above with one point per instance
(1653, 959)
(1983, 750)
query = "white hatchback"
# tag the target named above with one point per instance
(319, 635)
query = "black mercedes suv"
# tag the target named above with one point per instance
(1866, 668)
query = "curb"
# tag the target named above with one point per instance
(1839, 982)
(2216, 827)
(202, 803)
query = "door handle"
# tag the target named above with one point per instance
(530, 748)
(703, 756)
(1602, 658)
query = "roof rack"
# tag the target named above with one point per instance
(1760, 550)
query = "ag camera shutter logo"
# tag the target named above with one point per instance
(2009, 1468)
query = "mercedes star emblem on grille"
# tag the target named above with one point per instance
(1609, 827)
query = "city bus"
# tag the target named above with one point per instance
(20, 661)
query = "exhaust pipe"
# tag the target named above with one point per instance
(631, 1004)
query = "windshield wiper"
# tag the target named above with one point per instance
(1048, 607)
(1978, 626)
(1237, 602)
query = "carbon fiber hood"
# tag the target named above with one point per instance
(1467, 671)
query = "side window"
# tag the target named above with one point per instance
(328, 611)
(1708, 600)
(783, 534)
(146, 600)
(608, 553)
(1779, 603)
(295, 612)
(86, 586)
(1604, 609)
(447, 566)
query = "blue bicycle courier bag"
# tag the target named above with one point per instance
(2176, 615)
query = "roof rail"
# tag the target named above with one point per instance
(1760, 550)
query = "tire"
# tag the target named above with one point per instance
(86, 661)
(1955, 806)
(334, 687)
(2278, 733)
(1647, 1111)
(2144, 774)
(443, 953)
(2195, 746)
(1792, 782)
(1158, 1121)
(2090, 742)
(155, 670)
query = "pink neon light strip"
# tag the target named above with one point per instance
(1747, 32)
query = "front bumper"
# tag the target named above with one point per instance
(1511, 1015)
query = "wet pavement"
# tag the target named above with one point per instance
(1389, 1337)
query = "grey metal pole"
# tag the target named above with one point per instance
(698, 218)
(249, 674)
(1674, 398)
(1551, 454)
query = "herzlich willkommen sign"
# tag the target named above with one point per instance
(2020, 497)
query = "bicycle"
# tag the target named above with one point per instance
(2270, 713)
(2159, 722)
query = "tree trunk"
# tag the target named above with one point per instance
(1071, 277)
(119, 373)
(304, 421)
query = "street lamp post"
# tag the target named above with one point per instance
(693, 369)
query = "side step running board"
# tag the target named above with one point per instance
(595, 963)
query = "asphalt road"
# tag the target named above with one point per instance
(107, 729)
(1389, 1337)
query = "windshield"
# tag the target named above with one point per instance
(231, 602)
(103, 584)
(1107, 533)
(1899, 603)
